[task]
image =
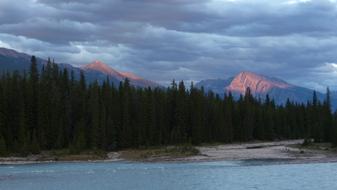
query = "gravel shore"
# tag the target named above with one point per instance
(289, 151)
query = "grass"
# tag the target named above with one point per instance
(160, 152)
(318, 146)
(141, 154)
(67, 155)
(311, 145)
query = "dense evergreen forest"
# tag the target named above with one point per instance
(50, 109)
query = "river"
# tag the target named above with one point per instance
(169, 176)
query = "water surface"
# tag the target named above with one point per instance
(160, 176)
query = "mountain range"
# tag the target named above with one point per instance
(260, 85)
(11, 60)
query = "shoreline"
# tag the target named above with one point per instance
(278, 152)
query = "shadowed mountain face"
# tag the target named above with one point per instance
(216, 85)
(11, 60)
(260, 86)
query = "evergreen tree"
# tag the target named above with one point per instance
(48, 109)
(3, 147)
(327, 117)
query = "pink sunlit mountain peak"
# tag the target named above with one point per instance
(102, 67)
(257, 83)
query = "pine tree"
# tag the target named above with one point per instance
(327, 120)
(33, 101)
(125, 139)
(95, 124)
(196, 116)
(269, 124)
(248, 116)
(3, 146)
(34, 146)
(228, 114)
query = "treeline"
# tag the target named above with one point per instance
(50, 109)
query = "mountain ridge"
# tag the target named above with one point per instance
(260, 85)
(11, 60)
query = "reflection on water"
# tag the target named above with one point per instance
(251, 174)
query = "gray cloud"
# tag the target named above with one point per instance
(182, 39)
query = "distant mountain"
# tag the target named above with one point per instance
(260, 86)
(215, 85)
(11, 60)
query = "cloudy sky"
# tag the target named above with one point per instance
(191, 40)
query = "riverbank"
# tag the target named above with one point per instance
(289, 151)
(54, 156)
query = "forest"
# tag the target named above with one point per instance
(51, 109)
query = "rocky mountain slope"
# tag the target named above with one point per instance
(260, 86)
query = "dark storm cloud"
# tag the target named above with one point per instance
(182, 39)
